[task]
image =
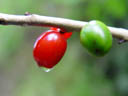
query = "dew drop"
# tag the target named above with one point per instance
(47, 69)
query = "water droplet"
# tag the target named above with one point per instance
(46, 69)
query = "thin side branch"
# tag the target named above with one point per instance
(69, 25)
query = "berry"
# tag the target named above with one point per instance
(49, 48)
(66, 34)
(96, 38)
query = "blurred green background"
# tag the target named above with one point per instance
(78, 73)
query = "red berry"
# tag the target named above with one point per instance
(49, 48)
(67, 35)
(64, 32)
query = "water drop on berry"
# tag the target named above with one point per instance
(46, 69)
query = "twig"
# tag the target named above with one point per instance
(121, 41)
(69, 25)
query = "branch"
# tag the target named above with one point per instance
(69, 25)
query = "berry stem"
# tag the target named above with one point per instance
(69, 25)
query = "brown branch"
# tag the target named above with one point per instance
(69, 25)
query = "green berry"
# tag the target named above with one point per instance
(96, 38)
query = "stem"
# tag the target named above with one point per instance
(69, 25)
